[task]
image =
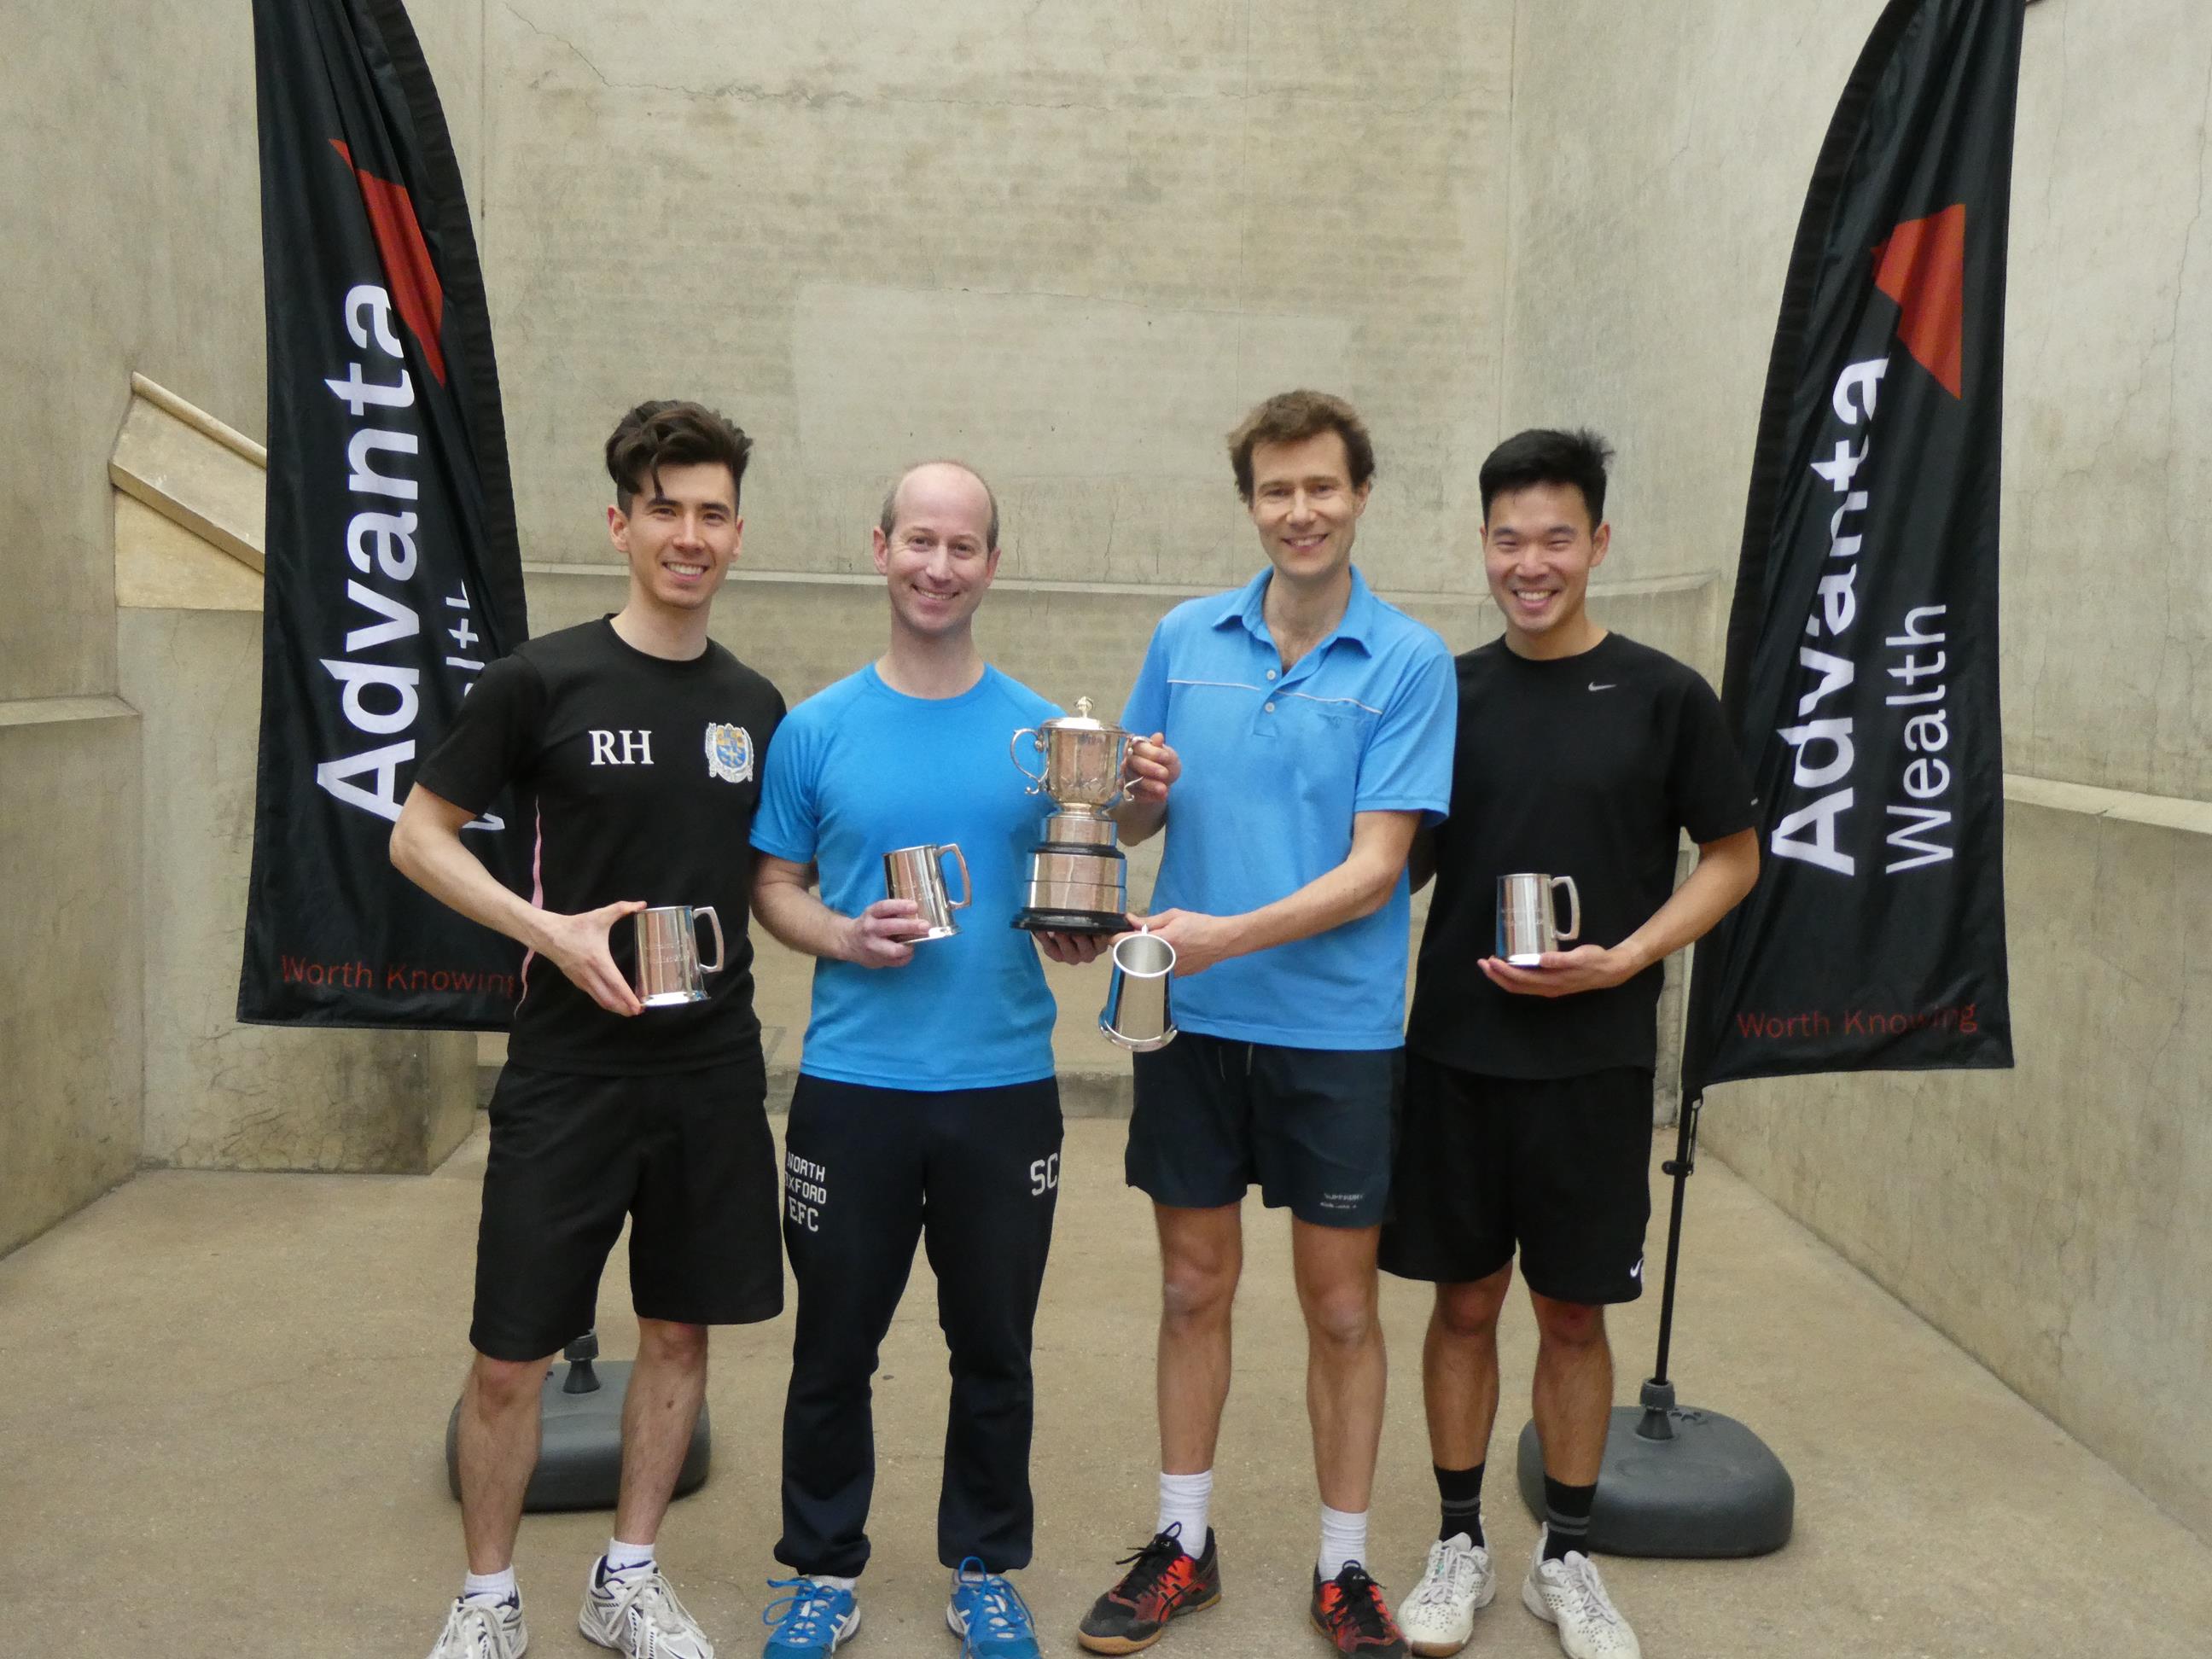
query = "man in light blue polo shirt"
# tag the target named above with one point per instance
(1313, 726)
(926, 1106)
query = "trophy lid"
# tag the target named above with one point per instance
(1080, 720)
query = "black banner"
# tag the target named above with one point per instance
(1862, 675)
(392, 571)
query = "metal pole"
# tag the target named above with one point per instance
(1681, 1166)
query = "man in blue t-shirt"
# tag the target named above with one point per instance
(926, 1106)
(1313, 726)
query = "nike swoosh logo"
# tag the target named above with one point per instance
(1608, 686)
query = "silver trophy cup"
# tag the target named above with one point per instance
(918, 873)
(1136, 1012)
(668, 970)
(1528, 921)
(1077, 878)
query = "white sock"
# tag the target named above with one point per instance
(1343, 1538)
(834, 1584)
(1184, 1501)
(625, 1557)
(490, 1586)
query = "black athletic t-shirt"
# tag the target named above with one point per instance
(642, 774)
(1589, 766)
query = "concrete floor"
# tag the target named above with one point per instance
(226, 1395)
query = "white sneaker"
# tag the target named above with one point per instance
(483, 1630)
(635, 1613)
(1438, 1617)
(1569, 1595)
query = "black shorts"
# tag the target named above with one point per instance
(1559, 1165)
(1312, 1126)
(688, 1156)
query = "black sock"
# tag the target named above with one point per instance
(1566, 1518)
(1461, 1492)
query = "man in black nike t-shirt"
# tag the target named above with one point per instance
(636, 741)
(1528, 1110)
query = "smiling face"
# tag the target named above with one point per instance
(1305, 508)
(1539, 548)
(937, 559)
(680, 535)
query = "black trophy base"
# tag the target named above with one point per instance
(1678, 1483)
(579, 1463)
(1072, 921)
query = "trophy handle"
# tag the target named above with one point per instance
(1013, 751)
(714, 922)
(966, 888)
(1574, 928)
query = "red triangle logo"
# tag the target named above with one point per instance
(1921, 264)
(416, 293)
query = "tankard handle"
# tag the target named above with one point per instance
(715, 923)
(966, 888)
(1574, 928)
(1013, 751)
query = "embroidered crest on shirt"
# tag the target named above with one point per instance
(729, 752)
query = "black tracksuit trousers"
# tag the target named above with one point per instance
(974, 1175)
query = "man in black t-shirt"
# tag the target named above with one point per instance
(635, 740)
(1528, 1114)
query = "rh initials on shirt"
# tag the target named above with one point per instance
(636, 748)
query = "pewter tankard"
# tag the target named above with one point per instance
(668, 971)
(1527, 922)
(1136, 1012)
(918, 873)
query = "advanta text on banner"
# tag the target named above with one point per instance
(392, 574)
(1862, 675)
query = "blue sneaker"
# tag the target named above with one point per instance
(989, 1616)
(813, 1618)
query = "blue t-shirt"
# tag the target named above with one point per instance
(1275, 763)
(858, 770)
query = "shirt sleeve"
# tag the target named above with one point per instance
(786, 822)
(1146, 710)
(501, 724)
(1708, 789)
(1408, 766)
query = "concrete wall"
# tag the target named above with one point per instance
(2043, 1219)
(219, 1094)
(69, 1021)
(131, 196)
(1070, 243)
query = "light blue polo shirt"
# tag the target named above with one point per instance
(1275, 763)
(858, 769)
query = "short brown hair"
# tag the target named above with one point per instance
(669, 433)
(1291, 417)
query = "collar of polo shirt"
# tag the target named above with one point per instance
(1247, 605)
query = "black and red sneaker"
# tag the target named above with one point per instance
(1164, 1581)
(1349, 1609)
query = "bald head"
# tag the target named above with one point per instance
(938, 474)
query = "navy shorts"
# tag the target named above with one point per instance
(1559, 1167)
(1313, 1127)
(687, 1156)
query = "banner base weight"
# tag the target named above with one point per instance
(1678, 1482)
(579, 1465)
